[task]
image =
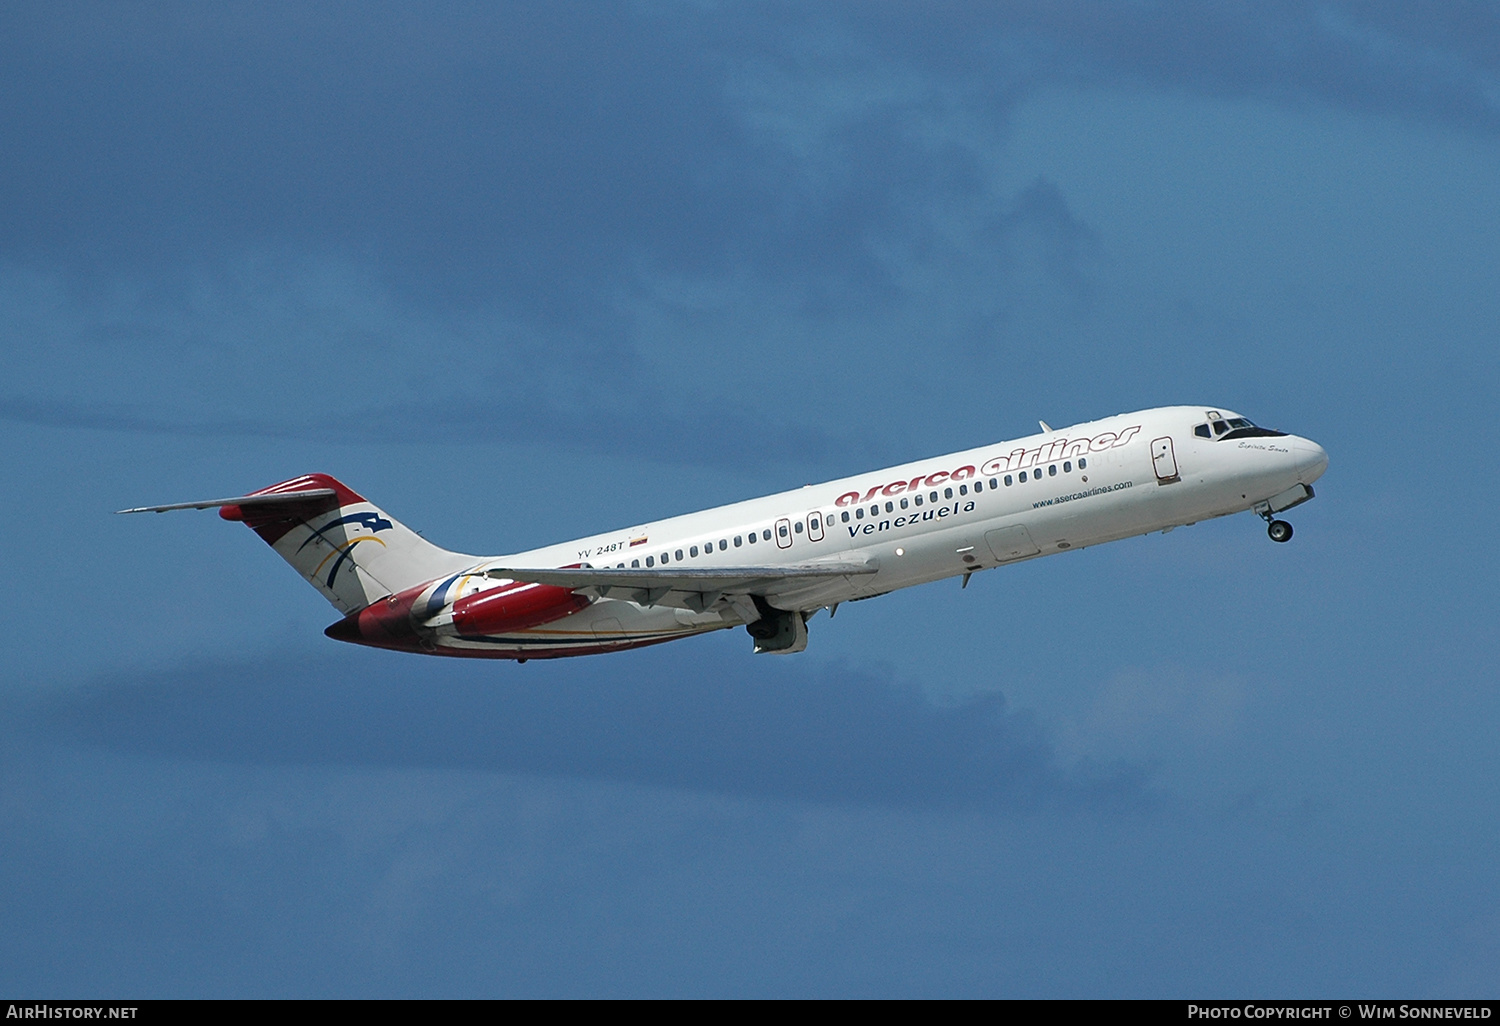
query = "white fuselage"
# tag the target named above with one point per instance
(942, 517)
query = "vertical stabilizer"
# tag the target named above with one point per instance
(349, 549)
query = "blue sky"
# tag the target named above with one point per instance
(523, 273)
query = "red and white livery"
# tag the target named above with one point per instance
(769, 564)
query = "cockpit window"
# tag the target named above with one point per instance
(1253, 432)
(1202, 431)
(1239, 427)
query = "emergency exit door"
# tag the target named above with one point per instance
(1164, 461)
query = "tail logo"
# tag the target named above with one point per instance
(344, 553)
(371, 521)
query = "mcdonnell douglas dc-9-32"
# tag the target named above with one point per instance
(769, 564)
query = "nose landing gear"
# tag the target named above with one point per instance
(1280, 530)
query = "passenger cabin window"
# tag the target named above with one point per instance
(859, 514)
(693, 552)
(919, 500)
(1007, 480)
(737, 541)
(723, 545)
(635, 564)
(890, 507)
(679, 555)
(1067, 466)
(905, 503)
(1052, 470)
(1083, 464)
(766, 534)
(797, 527)
(844, 516)
(751, 537)
(650, 561)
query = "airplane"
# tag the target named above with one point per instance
(770, 564)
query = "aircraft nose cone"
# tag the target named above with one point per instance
(1312, 460)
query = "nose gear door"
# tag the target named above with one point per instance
(1164, 461)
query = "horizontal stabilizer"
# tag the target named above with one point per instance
(283, 498)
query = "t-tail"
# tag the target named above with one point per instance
(349, 549)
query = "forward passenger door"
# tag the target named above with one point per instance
(1164, 461)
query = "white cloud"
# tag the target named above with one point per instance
(1142, 714)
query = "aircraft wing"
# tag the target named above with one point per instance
(694, 588)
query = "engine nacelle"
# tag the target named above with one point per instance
(514, 607)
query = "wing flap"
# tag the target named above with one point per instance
(696, 589)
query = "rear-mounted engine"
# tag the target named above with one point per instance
(514, 607)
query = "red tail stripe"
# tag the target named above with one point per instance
(272, 522)
(346, 495)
